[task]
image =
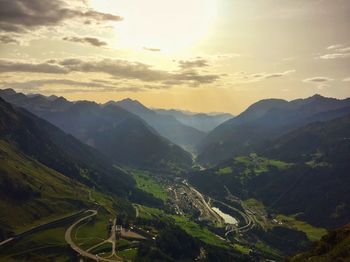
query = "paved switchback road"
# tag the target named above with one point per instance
(69, 240)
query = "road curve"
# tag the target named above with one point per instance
(38, 228)
(68, 238)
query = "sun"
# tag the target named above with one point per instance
(163, 24)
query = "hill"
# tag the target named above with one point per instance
(264, 121)
(117, 133)
(45, 173)
(333, 247)
(32, 193)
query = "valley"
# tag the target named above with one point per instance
(97, 236)
(174, 131)
(110, 187)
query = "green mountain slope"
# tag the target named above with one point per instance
(32, 193)
(45, 173)
(49, 145)
(333, 247)
(305, 173)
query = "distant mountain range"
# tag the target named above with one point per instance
(201, 121)
(166, 125)
(264, 121)
(117, 133)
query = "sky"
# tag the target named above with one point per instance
(198, 55)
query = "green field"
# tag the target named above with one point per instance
(94, 231)
(146, 183)
(313, 233)
(56, 195)
(241, 249)
(201, 233)
(148, 212)
(128, 254)
(267, 249)
(260, 164)
(225, 170)
(47, 245)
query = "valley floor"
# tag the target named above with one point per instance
(99, 235)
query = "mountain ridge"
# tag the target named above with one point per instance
(266, 120)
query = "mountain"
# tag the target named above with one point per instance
(333, 247)
(304, 174)
(31, 191)
(117, 133)
(266, 120)
(166, 125)
(46, 173)
(321, 141)
(200, 121)
(63, 153)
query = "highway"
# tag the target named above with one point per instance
(210, 210)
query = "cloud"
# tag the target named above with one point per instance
(189, 64)
(118, 69)
(346, 79)
(74, 86)
(338, 51)
(277, 75)
(318, 79)
(89, 40)
(334, 47)
(263, 76)
(335, 56)
(6, 39)
(345, 49)
(152, 49)
(23, 15)
(18, 66)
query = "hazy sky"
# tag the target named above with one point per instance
(200, 55)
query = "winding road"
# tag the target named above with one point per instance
(76, 248)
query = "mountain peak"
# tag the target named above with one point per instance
(132, 105)
(8, 91)
(131, 101)
(316, 96)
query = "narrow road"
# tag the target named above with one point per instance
(6, 241)
(68, 238)
(112, 238)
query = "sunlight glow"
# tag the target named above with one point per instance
(160, 24)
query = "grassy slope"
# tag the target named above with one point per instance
(186, 224)
(47, 245)
(146, 183)
(313, 233)
(335, 246)
(50, 194)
